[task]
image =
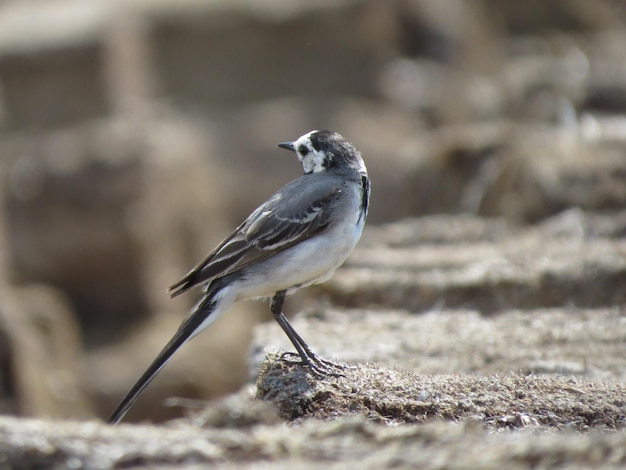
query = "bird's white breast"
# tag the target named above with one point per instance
(310, 262)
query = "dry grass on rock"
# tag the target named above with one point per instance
(397, 396)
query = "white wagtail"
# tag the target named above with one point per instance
(297, 238)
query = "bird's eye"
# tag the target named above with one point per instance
(304, 150)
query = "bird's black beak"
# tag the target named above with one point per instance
(287, 145)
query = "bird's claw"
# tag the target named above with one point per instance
(318, 366)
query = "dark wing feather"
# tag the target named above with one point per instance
(272, 228)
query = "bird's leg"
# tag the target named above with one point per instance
(315, 363)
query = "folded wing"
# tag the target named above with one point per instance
(269, 230)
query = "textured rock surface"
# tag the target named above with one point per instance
(219, 436)
(578, 342)
(394, 396)
(574, 259)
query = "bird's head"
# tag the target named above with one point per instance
(323, 150)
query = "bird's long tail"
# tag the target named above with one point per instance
(212, 304)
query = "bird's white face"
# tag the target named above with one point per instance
(312, 160)
(326, 151)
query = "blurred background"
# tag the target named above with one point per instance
(134, 135)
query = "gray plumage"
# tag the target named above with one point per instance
(298, 237)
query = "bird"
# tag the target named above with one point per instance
(297, 238)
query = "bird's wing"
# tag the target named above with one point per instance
(294, 214)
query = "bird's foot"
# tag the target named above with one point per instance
(317, 365)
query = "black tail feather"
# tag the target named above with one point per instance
(186, 330)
